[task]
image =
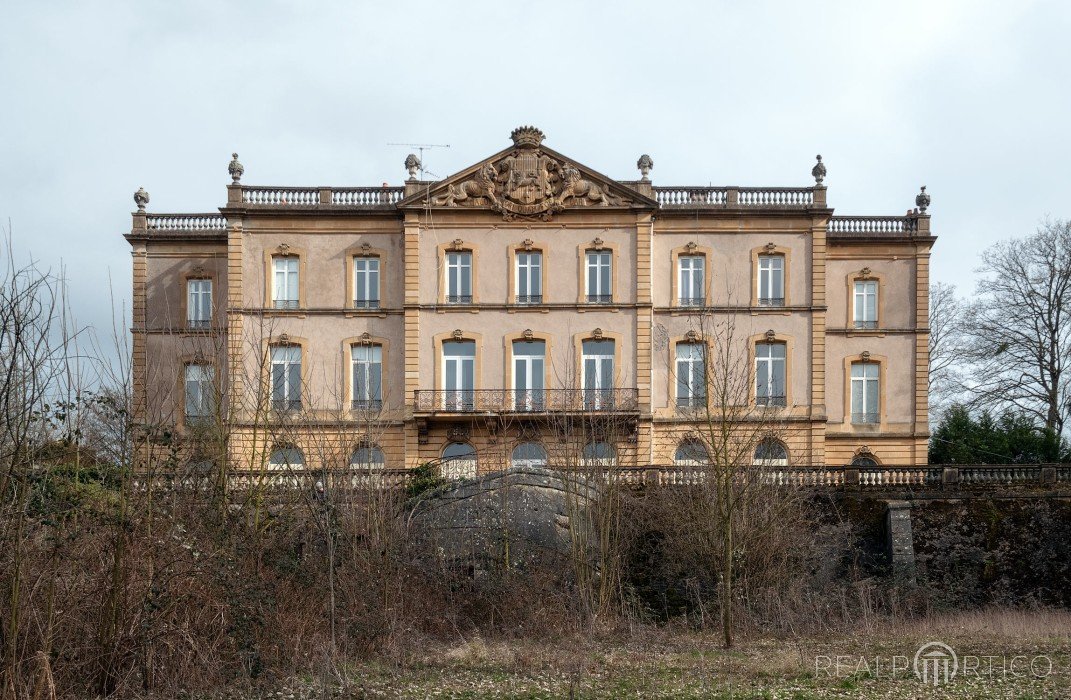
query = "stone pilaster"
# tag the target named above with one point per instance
(644, 329)
(818, 339)
(922, 352)
(138, 359)
(412, 346)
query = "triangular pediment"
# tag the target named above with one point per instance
(528, 181)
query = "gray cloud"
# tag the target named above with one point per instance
(969, 98)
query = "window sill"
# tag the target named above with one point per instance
(364, 313)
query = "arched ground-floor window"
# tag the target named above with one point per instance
(459, 461)
(529, 454)
(599, 454)
(367, 458)
(771, 453)
(691, 453)
(286, 457)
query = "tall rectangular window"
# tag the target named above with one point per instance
(529, 282)
(691, 375)
(459, 375)
(198, 303)
(600, 277)
(770, 374)
(366, 370)
(285, 282)
(200, 391)
(597, 368)
(771, 280)
(529, 366)
(866, 304)
(865, 392)
(459, 278)
(690, 279)
(366, 283)
(285, 377)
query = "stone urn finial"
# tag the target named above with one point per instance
(922, 200)
(645, 164)
(141, 198)
(235, 169)
(819, 171)
(412, 164)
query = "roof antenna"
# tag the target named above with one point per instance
(421, 147)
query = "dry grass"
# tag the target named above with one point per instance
(672, 662)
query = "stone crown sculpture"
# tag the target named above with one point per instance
(527, 137)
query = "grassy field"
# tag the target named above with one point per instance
(995, 652)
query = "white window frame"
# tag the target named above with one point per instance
(527, 395)
(691, 375)
(771, 280)
(866, 381)
(599, 287)
(600, 395)
(458, 261)
(366, 363)
(199, 302)
(461, 397)
(288, 358)
(366, 281)
(766, 368)
(691, 279)
(866, 315)
(528, 275)
(199, 391)
(286, 289)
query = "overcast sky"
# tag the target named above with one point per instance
(972, 99)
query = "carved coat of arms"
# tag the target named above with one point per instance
(526, 183)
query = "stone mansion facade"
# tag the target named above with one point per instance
(478, 318)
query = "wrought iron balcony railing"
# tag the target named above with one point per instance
(600, 299)
(199, 323)
(458, 298)
(285, 303)
(771, 301)
(367, 404)
(366, 303)
(690, 301)
(286, 404)
(527, 401)
(529, 299)
(770, 400)
(691, 403)
(868, 325)
(865, 418)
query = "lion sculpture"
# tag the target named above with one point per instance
(481, 186)
(576, 187)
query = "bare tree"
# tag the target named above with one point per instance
(1019, 327)
(734, 498)
(35, 379)
(947, 348)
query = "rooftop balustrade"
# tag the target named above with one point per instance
(684, 197)
(871, 225)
